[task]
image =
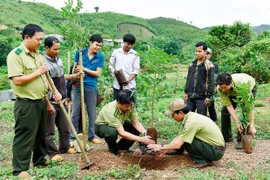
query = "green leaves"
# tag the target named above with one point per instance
(245, 101)
(72, 29)
(151, 83)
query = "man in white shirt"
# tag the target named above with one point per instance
(125, 59)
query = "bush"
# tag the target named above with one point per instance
(4, 82)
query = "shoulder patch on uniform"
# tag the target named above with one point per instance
(18, 51)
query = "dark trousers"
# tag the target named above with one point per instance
(30, 134)
(226, 125)
(110, 135)
(202, 152)
(212, 111)
(58, 119)
(198, 104)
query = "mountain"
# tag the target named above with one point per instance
(256, 29)
(15, 14)
(259, 29)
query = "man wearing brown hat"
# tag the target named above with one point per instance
(198, 135)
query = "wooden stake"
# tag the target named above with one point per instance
(82, 101)
(69, 103)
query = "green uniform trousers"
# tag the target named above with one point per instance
(110, 134)
(202, 152)
(226, 125)
(30, 134)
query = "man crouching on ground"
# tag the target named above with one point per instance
(198, 135)
(119, 118)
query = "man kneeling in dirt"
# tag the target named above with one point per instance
(198, 135)
(119, 118)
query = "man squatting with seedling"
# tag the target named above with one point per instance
(227, 85)
(120, 118)
(198, 135)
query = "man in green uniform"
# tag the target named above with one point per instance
(119, 118)
(226, 90)
(198, 135)
(26, 69)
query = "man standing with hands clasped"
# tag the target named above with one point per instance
(198, 135)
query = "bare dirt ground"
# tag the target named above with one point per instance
(168, 166)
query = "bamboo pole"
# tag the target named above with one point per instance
(88, 163)
(69, 103)
(82, 101)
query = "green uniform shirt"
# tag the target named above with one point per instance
(201, 127)
(112, 116)
(237, 79)
(20, 62)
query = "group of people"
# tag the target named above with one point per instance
(37, 109)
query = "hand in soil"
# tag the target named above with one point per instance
(159, 155)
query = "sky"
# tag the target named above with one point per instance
(200, 13)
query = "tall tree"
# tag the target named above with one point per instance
(96, 8)
(5, 48)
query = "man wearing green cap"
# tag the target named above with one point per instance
(198, 135)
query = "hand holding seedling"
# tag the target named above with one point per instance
(252, 131)
(155, 147)
(239, 127)
(147, 140)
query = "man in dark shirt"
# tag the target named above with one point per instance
(200, 81)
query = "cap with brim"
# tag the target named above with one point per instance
(209, 50)
(175, 105)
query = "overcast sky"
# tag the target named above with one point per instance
(202, 13)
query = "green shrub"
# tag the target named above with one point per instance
(4, 82)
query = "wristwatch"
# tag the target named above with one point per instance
(162, 147)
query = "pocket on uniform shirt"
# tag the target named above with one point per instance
(29, 67)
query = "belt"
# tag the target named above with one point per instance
(30, 100)
(222, 148)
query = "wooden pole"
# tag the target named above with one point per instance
(88, 163)
(69, 103)
(82, 101)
